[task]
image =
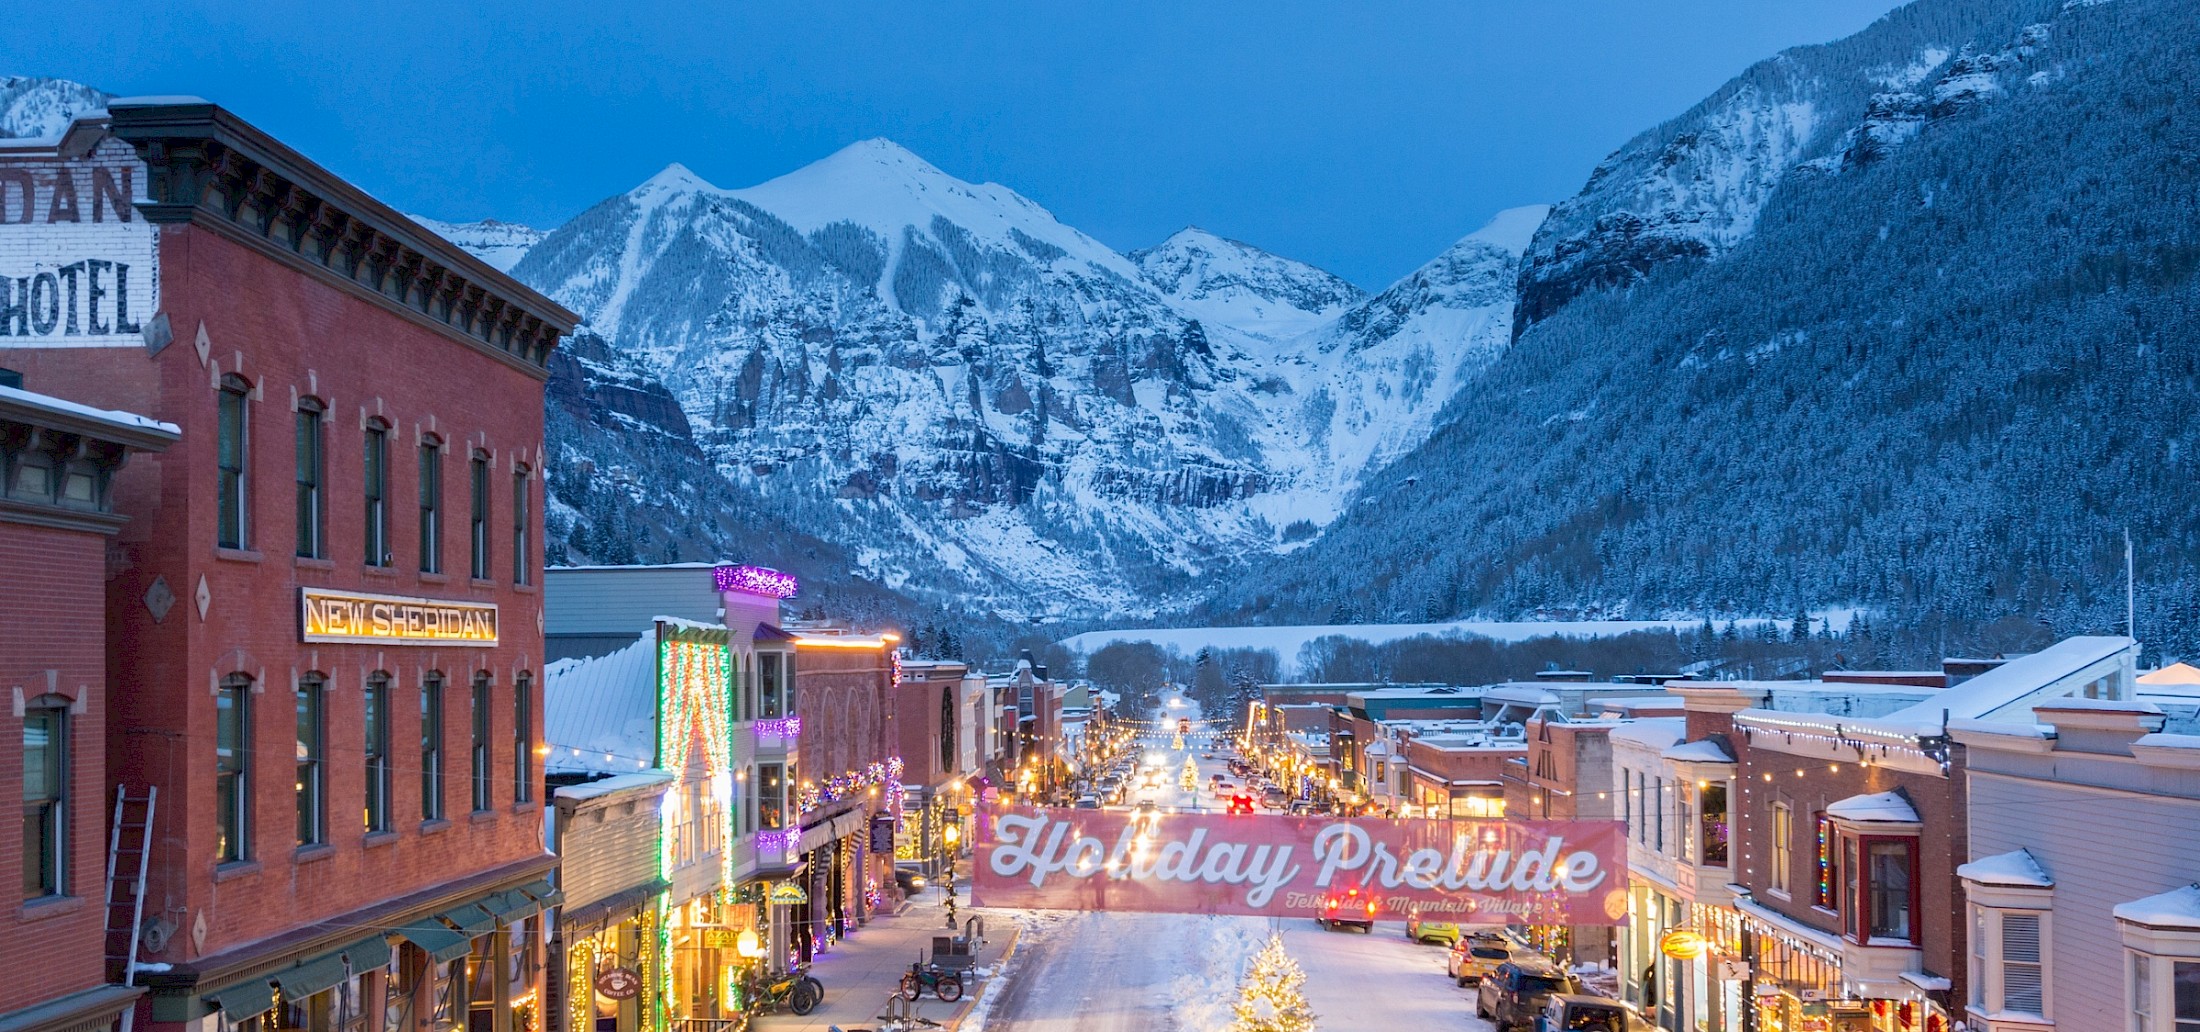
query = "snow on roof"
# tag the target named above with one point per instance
(1660, 733)
(681, 624)
(2175, 673)
(2177, 908)
(1702, 751)
(601, 714)
(1880, 807)
(111, 417)
(1981, 696)
(1525, 695)
(615, 784)
(2018, 868)
(2098, 705)
(2163, 740)
(1929, 983)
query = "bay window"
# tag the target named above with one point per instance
(1890, 891)
(2162, 962)
(2009, 962)
(1711, 811)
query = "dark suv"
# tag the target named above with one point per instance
(1511, 996)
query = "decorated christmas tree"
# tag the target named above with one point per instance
(1269, 996)
(1191, 774)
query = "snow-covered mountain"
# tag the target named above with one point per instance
(32, 106)
(499, 243)
(1227, 283)
(1692, 188)
(980, 401)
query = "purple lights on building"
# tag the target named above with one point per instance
(778, 841)
(779, 727)
(755, 580)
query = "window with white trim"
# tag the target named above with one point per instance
(2010, 961)
(2164, 992)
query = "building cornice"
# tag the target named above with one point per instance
(206, 167)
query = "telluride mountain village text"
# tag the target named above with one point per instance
(1754, 593)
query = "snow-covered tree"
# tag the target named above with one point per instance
(1271, 996)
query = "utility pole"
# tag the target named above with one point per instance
(2131, 592)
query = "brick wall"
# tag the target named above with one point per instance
(292, 333)
(50, 642)
(1942, 844)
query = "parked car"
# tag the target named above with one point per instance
(1511, 996)
(1439, 933)
(1569, 1012)
(1274, 799)
(1475, 956)
(1088, 802)
(1348, 909)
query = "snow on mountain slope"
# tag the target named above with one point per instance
(1374, 383)
(1222, 282)
(1692, 188)
(32, 106)
(499, 243)
(981, 402)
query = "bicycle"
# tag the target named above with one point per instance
(893, 1024)
(947, 985)
(800, 992)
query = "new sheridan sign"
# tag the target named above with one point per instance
(395, 619)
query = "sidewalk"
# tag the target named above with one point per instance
(864, 969)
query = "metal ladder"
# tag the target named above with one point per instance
(129, 850)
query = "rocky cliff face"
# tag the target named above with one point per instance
(981, 402)
(1691, 189)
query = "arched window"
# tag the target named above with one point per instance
(376, 699)
(376, 466)
(312, 478)
(233, 769)
(45, 797)
(312, 828)
(232, 455)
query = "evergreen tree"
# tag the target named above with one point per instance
(1799, 632)
(1271, 996)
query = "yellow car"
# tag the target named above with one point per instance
(1438, 933)
(1476, 956)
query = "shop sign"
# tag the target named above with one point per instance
(619, 983)
(788, 892)
(78, 264)
(351, 616)
(1682, 944)
(720, 938)
(1733, 971)
(1483, 872)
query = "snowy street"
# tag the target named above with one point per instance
(1132, 972)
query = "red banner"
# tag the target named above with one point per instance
(1467, 871)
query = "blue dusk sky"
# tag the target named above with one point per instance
(1363, 137)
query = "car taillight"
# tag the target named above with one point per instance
(1371, 908)
(1332, 902)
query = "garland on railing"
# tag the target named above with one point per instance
(783, 727)
(885, 775)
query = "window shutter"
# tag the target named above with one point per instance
(2020, 963)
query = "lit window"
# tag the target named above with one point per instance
(232, 757)
(1783, 830)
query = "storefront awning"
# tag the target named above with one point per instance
(508, 907)
(368, 953)
(310, 977)
(247, 999)
(472, 919)
(543, 893)
(440, 943)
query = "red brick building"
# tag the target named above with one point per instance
(845, 683)
(57, 516)
(323, 616)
